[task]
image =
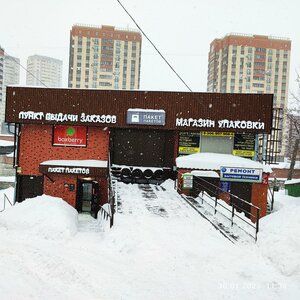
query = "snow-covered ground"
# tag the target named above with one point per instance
(159, 248)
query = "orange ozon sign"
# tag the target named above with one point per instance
(69, 136)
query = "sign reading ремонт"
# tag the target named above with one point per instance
(241, 174)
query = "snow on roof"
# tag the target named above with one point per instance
(4, 143)
(214, 161)
(136, 167)
(285, 165)
(7, 178)
(10, 154)
(77, 163)
(211, 174)
(292, 181)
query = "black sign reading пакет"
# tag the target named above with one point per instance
(244, 144)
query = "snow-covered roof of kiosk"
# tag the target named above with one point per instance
(92, 163)
(292, 181)
(211, 174)
(4, 143)
(214, 161)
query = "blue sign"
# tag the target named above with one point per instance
(240, 174)
(146, 116)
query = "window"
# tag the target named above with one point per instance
(105, 84)
(105, 76)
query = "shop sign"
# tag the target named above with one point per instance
(227, 124)
(187, 181)
(146, 116)
(61, 117)
(212, 133)
(69, 170)
(244, 145)
(189, 143)
(240, 174)
(74, 136)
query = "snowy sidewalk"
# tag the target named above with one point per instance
(86, 223)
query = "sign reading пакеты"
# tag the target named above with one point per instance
(146, 116)
(240, 174)
(69, 136)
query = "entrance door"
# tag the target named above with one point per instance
(243, 191)
(87, 200)
(29, 186)
(135, 147)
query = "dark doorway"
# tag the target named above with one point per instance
(243, 191)
(134, 147)
(87, 199)
(29, 187)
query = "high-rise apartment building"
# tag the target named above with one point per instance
(240, 63)
(44, 71)
(104, 57)
(9, 75)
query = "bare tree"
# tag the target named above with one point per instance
(293, 116)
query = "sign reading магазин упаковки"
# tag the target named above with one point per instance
(224, 123)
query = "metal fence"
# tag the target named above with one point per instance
(212, 191)
(5, 200)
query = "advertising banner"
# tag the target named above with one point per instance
(187, 182)
(213, 133)
(240, 174)
(72, 136)
(189, 143)
(244, 145)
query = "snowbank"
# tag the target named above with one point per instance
(279, 238)
(44, 216)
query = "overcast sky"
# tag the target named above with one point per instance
(181, 29)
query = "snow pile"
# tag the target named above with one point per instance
(279, 238)
(158, 248)
(44, 216)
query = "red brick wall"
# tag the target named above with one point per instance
(36, 147)
(259, 196)
(57, 189)
(283, 173)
